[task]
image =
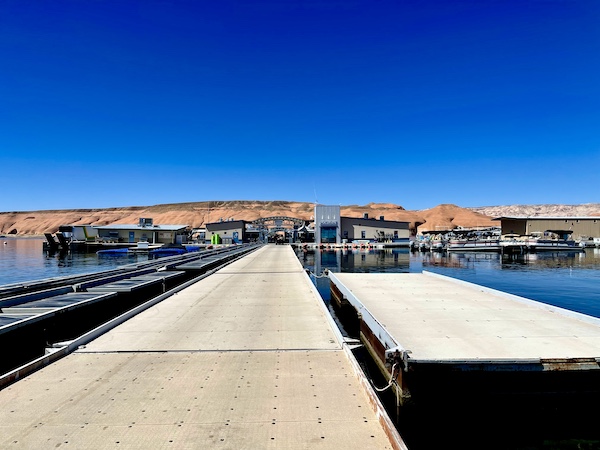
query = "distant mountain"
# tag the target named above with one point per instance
(583, 210)
(197, 214)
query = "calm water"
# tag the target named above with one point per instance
(568, 280)
(565, 279)
(25, 260)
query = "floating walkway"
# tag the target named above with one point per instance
(245, 358)
(461, 354)
(424, 317)
(435, 328)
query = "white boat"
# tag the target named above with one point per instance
(548, 241)
(438, 245)
(474, 244)
(473, 241)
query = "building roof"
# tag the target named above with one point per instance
(372, 221)
(124, 226)
(548, 217)
(226, 225)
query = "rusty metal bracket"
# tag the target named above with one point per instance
(399, 356)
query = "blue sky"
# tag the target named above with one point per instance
(413, 102)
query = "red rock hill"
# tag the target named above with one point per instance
(197, 214)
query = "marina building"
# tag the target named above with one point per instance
(144, 231)
(331, 228)
(578, 228)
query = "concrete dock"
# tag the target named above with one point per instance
(246, 358)
(433, 318)
(474, 367)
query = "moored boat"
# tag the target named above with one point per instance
(474, 244)
(475, 240)
(114, 251)
(548, 241)
(167, 250)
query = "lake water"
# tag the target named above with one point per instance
(564, 279)
(568, 280)
(24, 260)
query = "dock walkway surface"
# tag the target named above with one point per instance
(246, 358)
(435, 318)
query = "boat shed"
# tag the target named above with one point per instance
(580, 228)
(145, 231)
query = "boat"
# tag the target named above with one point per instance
(167, 250)
(437, 244)
(474, 241)
(537, 241)
(114, 251)
(474, 245)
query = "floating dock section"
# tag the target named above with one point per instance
(245, 358)
(456, 349)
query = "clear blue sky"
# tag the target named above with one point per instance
(413, 102)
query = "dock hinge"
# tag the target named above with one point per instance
(398, 356)
(560, 364)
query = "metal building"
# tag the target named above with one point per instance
(579, 228)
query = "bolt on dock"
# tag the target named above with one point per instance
(247, 357)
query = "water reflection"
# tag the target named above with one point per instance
(568, 280)
(588, 259)
(355, 260)
(23, 259)
(363, 260)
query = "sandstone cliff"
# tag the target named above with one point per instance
(583, 210)
(196, 214)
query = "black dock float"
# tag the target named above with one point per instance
(128, 286)
(33, 296)
(26, 330)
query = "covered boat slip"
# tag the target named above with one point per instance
(245, 358)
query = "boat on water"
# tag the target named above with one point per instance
(474, 245)
(547, 241)
(437, 244)
(168, 250)
(474, 241)
(459, 239)
(115, 251)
